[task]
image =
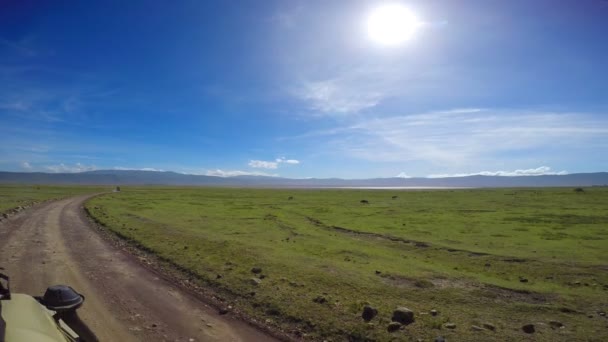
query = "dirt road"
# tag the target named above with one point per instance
(52, 243)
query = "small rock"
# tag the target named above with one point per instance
(523, 280)
(223, 311)
(5, 215)
(320, 300)
(434, 312)
(403, 315)
(476, 328)
(440, 339)
(256, 270)
(369, 313)
(556, 324)
(528, 328)
(489, 326)
(393, 326)
(378, 272)
(601, 313)
(219, 276)
(153, 325)
(209, 325)
(450, 326)
(255, 281)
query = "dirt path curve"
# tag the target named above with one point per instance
(52, 243)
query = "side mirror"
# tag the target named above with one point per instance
(61, 298)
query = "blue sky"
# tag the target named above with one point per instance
(298, 88)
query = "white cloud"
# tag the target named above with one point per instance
(539, 171)
(260, 164)
(226, 173)
(137, 169)
(403, 175)
(62, 168)
(287, 161)
(457, 138)
(26, 166)
(340, 95)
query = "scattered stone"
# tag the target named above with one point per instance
(476, 328)
(255, 281)
(209, 325)
(369, 313)
(528, 328)
(256, 270)
(5, 215)
(403, 315)
(601, 313)
(434, 312)
(262, 276)
(153, 325)
(219, 276)
(523, 280)
(556, 324)
(223, 311)
(440, 339)
(320, 300)
(450, 325)
(489, 326)
(393, 326)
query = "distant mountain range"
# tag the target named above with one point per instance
(133, 177)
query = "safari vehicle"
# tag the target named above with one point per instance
(50, 318)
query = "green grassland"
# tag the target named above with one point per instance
(12, 196)
(506, 257)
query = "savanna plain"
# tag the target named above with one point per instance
(470, 264)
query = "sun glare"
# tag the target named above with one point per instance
(392, 24)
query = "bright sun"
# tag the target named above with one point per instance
(392, 24)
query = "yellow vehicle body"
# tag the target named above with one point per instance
(27, 320)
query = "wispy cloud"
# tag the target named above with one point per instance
(234, 173)
(539, 171)
(63, 168)
(121, 168)
(26, 166)
(457, 137)
(283, 160)
(340, 95)
(261, 164)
